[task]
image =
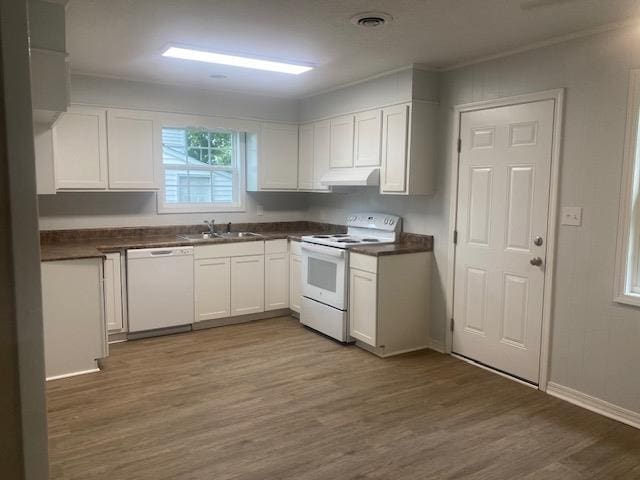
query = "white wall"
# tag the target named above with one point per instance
(595, 342)
(104, 209)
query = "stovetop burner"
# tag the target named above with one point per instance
(340, 235)
(347, 240)
(321, 236)
(370, 240)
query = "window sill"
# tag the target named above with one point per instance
(162, 209)
(628, 299)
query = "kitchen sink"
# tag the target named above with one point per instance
(198, 236)
(239, 234)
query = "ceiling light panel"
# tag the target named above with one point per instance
(235, 61)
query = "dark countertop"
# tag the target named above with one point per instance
(78, 244)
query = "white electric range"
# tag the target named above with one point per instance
(325, 262)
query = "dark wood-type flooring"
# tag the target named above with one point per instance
(273, 400)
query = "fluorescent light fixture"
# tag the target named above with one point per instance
(234, 60)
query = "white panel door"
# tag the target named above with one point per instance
(503, 199)
(363, 316)
(321, 153)
(368, 139)
(212, 287)
(278, 161)
(342, 129)
(134, 142)
(305, 157)
(113, 293)
(80, 149)
(395, 139)
(247, 284)
(295, 282)
(276, 278)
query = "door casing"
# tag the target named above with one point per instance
(558, 96)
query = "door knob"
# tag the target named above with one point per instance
(537, 241)
(536, 261)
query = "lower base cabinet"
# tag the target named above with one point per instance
(295, 278)
(212, 288)
(247, 285)
(113, 293)
(389, 298)
(75, 334)
(276, 275)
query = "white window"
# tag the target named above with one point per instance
(627, 281)
(202, 170)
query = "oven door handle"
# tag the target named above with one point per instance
(327, 251)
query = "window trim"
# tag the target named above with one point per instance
(629, 215)
(211, 125)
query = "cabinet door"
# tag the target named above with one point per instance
(113, 293)
(278, 161)
(395, 128)
(342, 142)
(368, 139)
(276, 278)
(305, 158)
(362, 306)
(321, 153)
(247, 284)
(80, 149)
(212, 289)
(295, 282)
(134, 143)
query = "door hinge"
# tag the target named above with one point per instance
(452, 322)
(459, 145)
(455, 237)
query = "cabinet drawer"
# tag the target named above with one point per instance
(275, 246)
(366, 263)
(238, 249)
(295, 248)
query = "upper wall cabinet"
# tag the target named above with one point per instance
(367, 141)
(408, 149)
(134, 143)
(277, 159)
(342, 136)
(313, 156)
(80, 149)
(99, 149)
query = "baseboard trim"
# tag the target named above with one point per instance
(73, 374)
(437, 345)
(251, 317)
(594, 404)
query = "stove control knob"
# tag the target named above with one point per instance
(391, 221)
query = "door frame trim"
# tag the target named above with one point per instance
(558, 96)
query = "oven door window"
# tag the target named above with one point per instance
(322, 274)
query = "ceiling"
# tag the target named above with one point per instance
(124, 38)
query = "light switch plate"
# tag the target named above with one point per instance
(571, 216)
(259, 210)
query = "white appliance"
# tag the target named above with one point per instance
(160, 287)
(325, 262)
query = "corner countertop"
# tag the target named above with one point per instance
(80, 244)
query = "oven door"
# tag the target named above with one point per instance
(324, 274)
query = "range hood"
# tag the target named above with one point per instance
(361, 176)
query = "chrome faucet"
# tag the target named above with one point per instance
(210, 224)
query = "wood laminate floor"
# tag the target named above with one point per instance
(272, 400)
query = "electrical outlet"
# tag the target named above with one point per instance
(572, 216)
(259, 210)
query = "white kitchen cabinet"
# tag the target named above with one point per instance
(295, 277)
(45, 170)
(247, 285)
(276, 275)
(321, 153)
(408, 149)
(134, 147)
(212, 288)
(305, 157)
(389, 298)
(113, 293)
(80, 149)
(277, 161)
(73, 316)
(342, 137)
(362, 305)
(368, 139)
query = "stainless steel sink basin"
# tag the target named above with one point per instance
(239, 234)
(191, 237)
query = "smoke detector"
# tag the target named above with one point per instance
(371, 19)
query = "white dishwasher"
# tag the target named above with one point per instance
(160, 287)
